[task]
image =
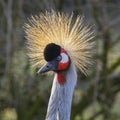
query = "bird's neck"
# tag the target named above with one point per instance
(59, 106)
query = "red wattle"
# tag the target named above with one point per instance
(61, 78)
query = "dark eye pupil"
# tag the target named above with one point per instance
(59, 58)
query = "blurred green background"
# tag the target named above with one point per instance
(24, 94)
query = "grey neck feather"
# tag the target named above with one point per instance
(59, 106)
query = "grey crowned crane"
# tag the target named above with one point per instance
(56, 42)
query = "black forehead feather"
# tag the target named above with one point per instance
(51, 51)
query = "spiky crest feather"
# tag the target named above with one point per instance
(59, 28)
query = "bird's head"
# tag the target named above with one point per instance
(60, 40)
(56, 57)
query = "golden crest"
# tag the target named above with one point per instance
(59, 28)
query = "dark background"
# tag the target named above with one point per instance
(24, 94)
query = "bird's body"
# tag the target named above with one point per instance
(53, 38)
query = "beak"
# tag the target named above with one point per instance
(47, 67)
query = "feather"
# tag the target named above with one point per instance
(60, 28)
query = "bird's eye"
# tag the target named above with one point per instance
(59, 58)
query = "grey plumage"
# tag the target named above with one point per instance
(59, 106)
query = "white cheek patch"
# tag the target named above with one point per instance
(65, 58)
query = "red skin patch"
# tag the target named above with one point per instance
(61, 78)
(63, 66)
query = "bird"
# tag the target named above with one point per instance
(61, 43)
